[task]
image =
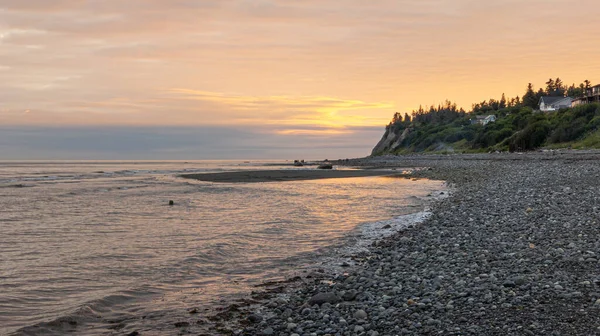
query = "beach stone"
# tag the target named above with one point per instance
(360, 315)
(321, 298)
(255, 318)
(349, 295)
(268, 331)
(479, 264)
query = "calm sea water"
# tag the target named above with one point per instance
(93, 248)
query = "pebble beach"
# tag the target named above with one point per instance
(514, 250)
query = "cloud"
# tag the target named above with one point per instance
(183, 107)
(291, 65)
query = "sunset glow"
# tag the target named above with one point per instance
(288, 66)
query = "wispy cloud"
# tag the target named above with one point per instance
(289, 65)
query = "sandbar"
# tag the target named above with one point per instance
(285, 175)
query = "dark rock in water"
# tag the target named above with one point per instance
(182, 324)
(133, 333)
(193, 311)
(349, 295)
(321, 298)
(387, 226)
(171, 202)
(254, 318)
(298, 163)
(325, 166)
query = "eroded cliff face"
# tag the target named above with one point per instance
(391, 140)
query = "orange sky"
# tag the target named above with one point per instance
(292, 64)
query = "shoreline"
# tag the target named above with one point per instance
(512, 251)
(335, 262)
(286, 175)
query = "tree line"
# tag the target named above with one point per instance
(518, 126)
(448, 111)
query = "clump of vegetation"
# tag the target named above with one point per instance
(518, 126)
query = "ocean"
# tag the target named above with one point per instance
(94, 248)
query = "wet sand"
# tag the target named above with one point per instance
(285, 175)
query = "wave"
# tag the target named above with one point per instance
(112, 312)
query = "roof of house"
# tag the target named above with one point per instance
(549, 100)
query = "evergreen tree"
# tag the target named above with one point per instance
(529, 98)
(538, 96)
(550, 88)
(559, 89)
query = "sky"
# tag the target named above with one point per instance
(265, 79)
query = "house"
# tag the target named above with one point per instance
(483, 120)
(591, 95)
(548, 103)
(578, 101)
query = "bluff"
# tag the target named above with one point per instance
(515, 128)
(392, 140)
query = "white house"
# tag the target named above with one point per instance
(548, 104)
(483, 120)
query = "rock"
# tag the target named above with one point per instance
(268, 331)
(360, 315)
(321, 298)
(134, 333)
(325, 166)
(193, 311)
(478, 265)
(349, 295)
(254, 318)
(509, 283)
(181, 324)
(171, 202)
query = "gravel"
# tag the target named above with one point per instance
(512, 251)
